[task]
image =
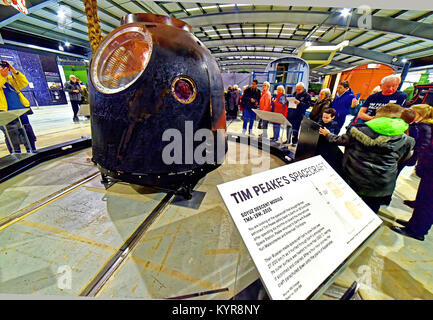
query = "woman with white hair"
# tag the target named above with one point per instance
(321, 104)
(279, 106)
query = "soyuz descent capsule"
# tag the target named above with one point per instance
(157, 104)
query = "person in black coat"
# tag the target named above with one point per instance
(233, 102)
(295, 115)
(321, 104)
(250, 101)
(372, 153)
(422, 218)
(74, 89)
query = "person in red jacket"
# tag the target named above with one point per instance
(265, 105)
(279, 106)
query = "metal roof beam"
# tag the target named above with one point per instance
(38, 31)
(55, 25)
(382, 24)
(118, 6)
(74, 20)
(349, 50)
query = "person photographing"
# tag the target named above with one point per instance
(11, 98)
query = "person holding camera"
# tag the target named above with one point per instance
(73, 87)
(11, 98)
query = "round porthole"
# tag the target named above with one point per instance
(184, 89)
(121, 59)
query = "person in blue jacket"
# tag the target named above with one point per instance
(342, 102)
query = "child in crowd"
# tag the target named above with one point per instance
(327, 121)
(373, 151)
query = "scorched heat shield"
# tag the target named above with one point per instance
(156, 99)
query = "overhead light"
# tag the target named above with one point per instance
(308, 43)
(404, 60)
(61, 48)
(67, 43)
(345, 12)
(61, 14)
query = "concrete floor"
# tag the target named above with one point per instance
(57, 249)
(184, 252)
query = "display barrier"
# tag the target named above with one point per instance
(14, 164)
(307, 140)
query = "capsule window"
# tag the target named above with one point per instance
(121, 59)
(184, 89)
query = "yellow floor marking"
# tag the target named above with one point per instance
(171, 244)
(146, 264)
(69, 235)
(213, 252)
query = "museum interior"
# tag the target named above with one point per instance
(128, 125)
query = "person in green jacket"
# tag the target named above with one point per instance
(372, 153)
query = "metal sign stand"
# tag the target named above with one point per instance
(275, 118)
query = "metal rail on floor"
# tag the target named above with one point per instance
(105, 273)
(25, 212)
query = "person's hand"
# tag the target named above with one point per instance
(76, 91)
(324, 131)
(4, 72)
(296, 102)
(252, 100)
(355, 102)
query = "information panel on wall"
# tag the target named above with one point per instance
(299, 222)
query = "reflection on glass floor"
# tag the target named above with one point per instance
(52, 125)
(55, 243)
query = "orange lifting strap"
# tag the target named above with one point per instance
(93, 25)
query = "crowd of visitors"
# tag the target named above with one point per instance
(382, 137)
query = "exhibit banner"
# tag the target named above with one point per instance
(299, 222)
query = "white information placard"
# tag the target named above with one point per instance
(291, 101)
(299, 222)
